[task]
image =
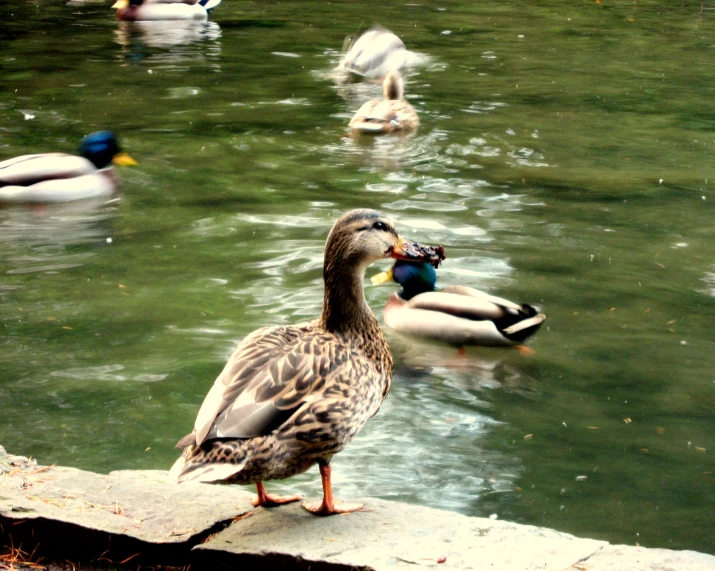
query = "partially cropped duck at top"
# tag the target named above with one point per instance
(293, 396)
(389, 115)
(374, 54)
(457, 315)
(57, 177)
(144, 10)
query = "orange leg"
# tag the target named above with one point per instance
(267, 501)
(328, 507)
(525, 351)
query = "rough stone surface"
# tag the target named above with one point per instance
(138, 518)
(138, 504)
(630, 558)
(386, 535)
(76, 514)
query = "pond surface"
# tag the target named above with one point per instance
(565, 159)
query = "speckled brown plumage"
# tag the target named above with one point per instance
(293, 396)
(388, 115)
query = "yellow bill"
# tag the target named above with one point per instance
(123, 159)
(120, 4)
(382, 277)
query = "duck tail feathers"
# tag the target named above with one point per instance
(188, 468)
(525, 328)
(209, 4)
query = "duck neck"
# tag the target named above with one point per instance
(345, 310)
(347, 315)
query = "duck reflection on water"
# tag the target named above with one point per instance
(469, 369)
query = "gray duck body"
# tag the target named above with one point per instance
(316, 392)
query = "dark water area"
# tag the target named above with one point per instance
(564, 158)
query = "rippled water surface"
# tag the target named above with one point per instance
(565, 158)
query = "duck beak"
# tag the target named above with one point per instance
(381, 278)
(123, 159)
(416, 252)
(120, 4)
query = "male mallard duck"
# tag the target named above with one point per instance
(387, 115)
(293, 396)
(56, 177)
(455, 314)
(374, 54)
(142, 10)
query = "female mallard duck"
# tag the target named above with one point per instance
(56, 177)
(374, 54)
(143, 10)
(455, 314)
(293, 396)
(387, 115)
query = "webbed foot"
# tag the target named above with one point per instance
(335, 507)
(268, 501)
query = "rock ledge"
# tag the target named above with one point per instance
(138, 518)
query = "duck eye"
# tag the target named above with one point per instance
(379, 226)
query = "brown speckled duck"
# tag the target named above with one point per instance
(294, 396)
(389, 115)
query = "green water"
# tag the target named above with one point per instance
(565, 158)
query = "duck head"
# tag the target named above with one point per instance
(357, 239)
(361, 237)
(102, 149)
(414, 277)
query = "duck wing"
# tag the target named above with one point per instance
(365, 111)
(272, 374)
(30, 169)
(473, 307)
(483, 296)
(381, 111)
(374, 116)
(515, 322)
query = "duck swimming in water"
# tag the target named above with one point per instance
(374, 54)
(57, 177)
(145, 10)
(457, 315)
(389, 115)
(293, 396)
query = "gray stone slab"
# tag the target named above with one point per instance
(388, 535)
(631, 558)
(138, 504)
(142, 518)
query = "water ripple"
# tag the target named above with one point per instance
(425, 206)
